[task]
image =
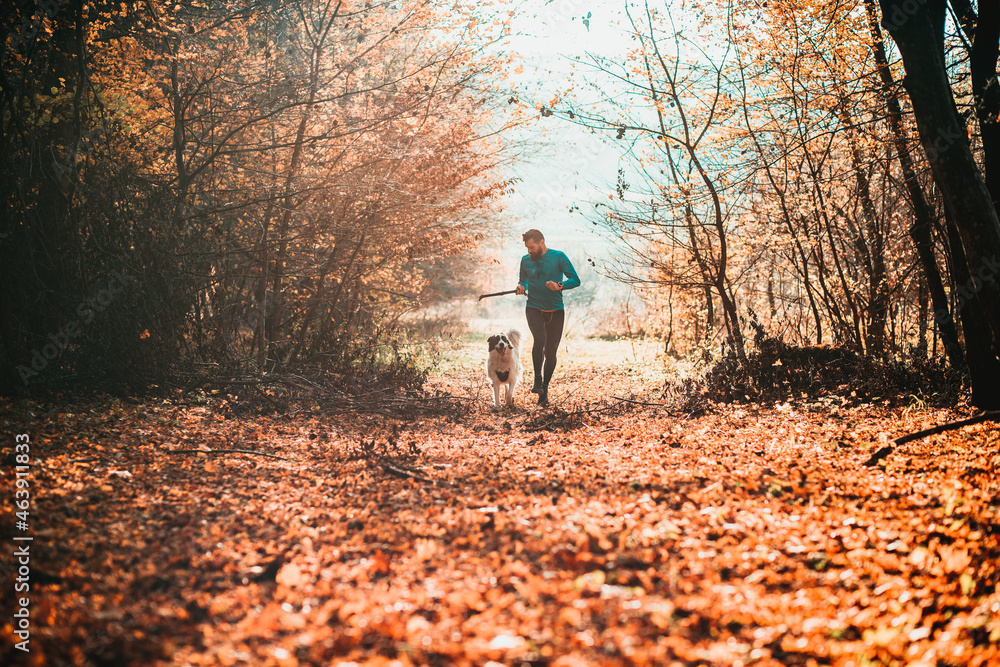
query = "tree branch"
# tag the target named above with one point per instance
(993, 415)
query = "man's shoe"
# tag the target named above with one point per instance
(537, 387)
(543, 396)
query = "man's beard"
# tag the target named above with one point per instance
(537, 255)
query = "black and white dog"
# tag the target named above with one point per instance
(503, 366)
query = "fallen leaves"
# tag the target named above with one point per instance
(639, 537)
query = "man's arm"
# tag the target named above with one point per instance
(572, 279)
(522, 279)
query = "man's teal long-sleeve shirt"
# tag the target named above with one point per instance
(553, 265)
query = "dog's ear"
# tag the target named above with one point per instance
(493, 340)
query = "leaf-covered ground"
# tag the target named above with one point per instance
(595, 532)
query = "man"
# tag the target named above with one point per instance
(542, 272)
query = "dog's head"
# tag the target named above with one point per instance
(499, 343)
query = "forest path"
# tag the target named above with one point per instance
(595, 532)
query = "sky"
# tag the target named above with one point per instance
(566, 165)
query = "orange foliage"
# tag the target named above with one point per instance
(625, 535)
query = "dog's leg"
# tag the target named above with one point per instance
(496, 395)
(515, 377)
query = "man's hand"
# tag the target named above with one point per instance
(553, 285)
(520, 289)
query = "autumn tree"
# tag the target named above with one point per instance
(783, 121)
(758, 121)
(918, 31)
(276, 172)
(670, 204)
(820, 166)
(844, 52)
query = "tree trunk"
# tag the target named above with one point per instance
(273, 321)
(918, 30)
(984, 368)
(983, 68)
(922, 313)
(878, 282)
(920, 232)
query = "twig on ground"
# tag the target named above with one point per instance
(400, 472)
(879, 455)
(629, 400)
(224, 451)
(289, 381)
(589, 411)
(993, 415)
(425, 399)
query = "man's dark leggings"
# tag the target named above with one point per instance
(546, 331)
